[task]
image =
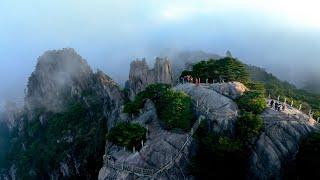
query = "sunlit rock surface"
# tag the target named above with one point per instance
(279, 142)
(232, 90)
(220, 110)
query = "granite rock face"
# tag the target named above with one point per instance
(279, 142)
(184, 60)
(160, 148)
(61, 74)
(58, 75)
(141, 76)
(112, 96)
(220, 110)
(162, 71)
(232, 90)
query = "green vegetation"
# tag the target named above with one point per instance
(218, 155)
(76, 135)
(153, 92)
(252, 101)
(256, 86)
(4, 143)
(276, 87)
(308, 158)
(249, 126)
(127, 135)
(228, 69)
(173, 108)
(251, 104)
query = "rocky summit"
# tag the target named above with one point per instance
(141, 75)
(64, 129)
(63, 90)
(58, 75)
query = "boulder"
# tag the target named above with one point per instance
(232, 90)
(221, 111)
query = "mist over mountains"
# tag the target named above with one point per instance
(13, 86)
(110, 34)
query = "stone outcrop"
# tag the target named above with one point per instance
(141, 76)
(162, 71)
(279, 142)
(62, 74)
(58, 75)
(232, 90)
(183, 60)
(160, 148)
(220, 110)
(112, 96)
(275, 147)
(228, 54)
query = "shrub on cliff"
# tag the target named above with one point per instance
(252, 101)
(217, 155)
(78, 132)
(127, 135)
(173, 108)
(153, 92)
(249, 126)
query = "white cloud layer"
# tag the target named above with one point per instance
(298, 13)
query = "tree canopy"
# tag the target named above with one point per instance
(227, 69)
(127, 135)
(173, 108)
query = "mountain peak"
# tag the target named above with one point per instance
(58, 74)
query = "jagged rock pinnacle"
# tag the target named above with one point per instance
(141, 76)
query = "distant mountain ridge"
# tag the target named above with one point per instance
(182, 60)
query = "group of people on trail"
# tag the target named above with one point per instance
(197, 81)
(277, 105)
(190, 79)
(187, 78)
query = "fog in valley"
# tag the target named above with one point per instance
(281, 36)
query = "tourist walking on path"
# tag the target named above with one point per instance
(272, 103)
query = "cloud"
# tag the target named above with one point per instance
(301, 14)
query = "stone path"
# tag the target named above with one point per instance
(150, 172)
(201, 113)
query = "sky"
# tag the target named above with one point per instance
(283, 36)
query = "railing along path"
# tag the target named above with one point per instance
(201, 114)
(151, 172)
